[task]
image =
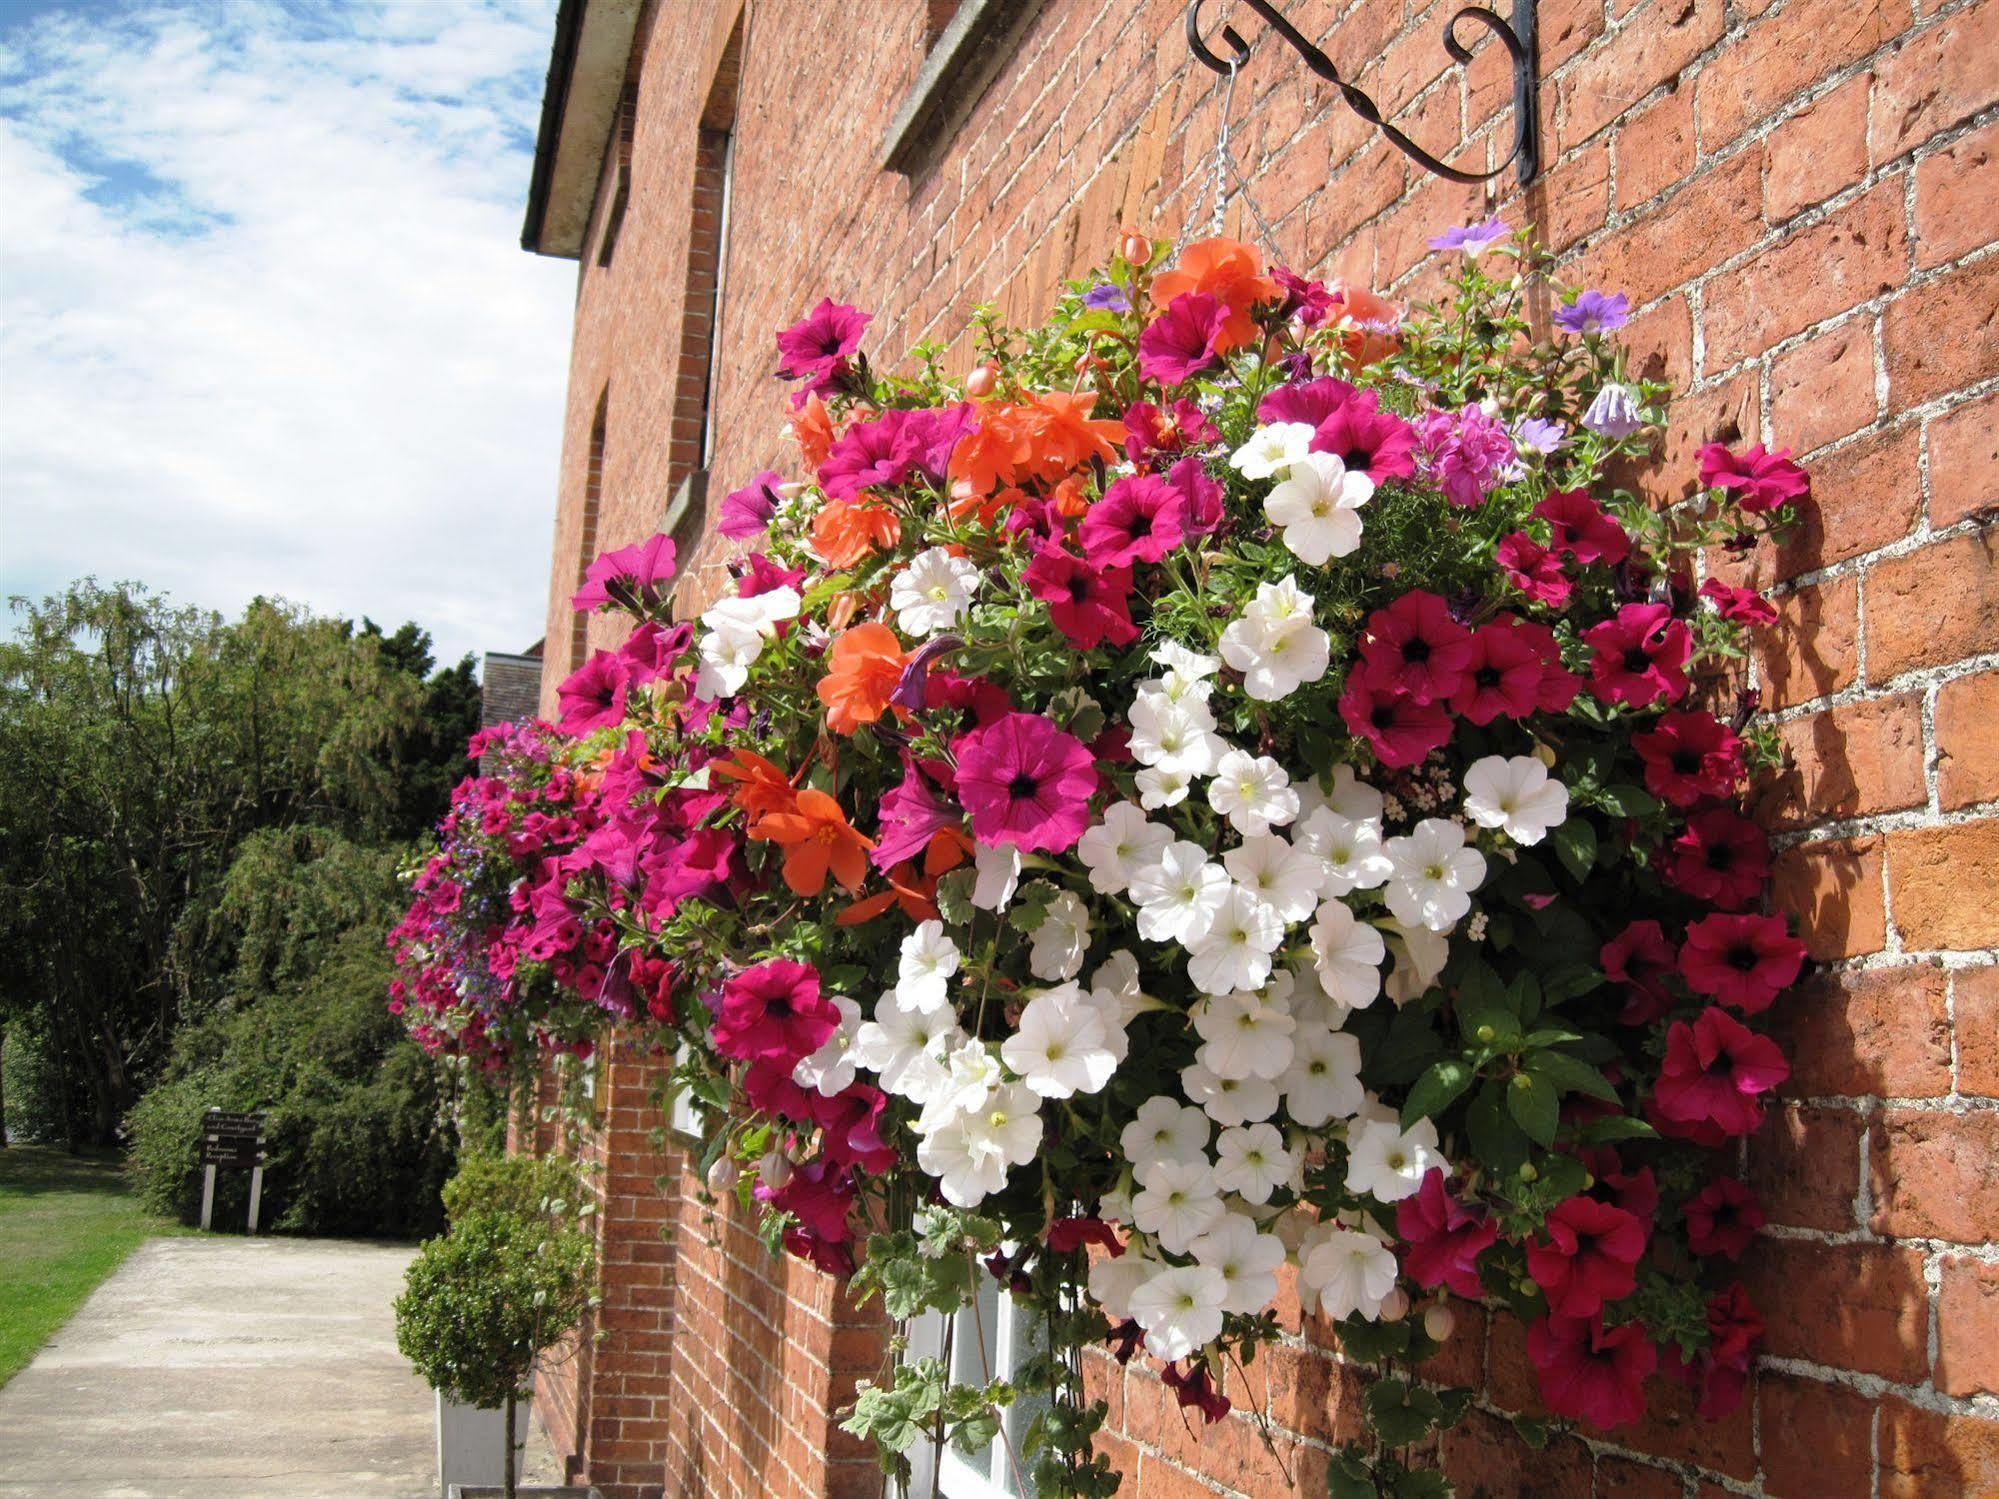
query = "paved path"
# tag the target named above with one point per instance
(226, 1368)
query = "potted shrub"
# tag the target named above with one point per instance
(481, 1303)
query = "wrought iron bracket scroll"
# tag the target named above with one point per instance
(1516, 36)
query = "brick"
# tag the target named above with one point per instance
(1671, 1428)
(1934, 79)
(1849, 1306)
(1975, 1003)
(1486, 1459)
(1817, 152)
(1833, 888)
(1968, 1327)
(1655, 147)
(1944, 335)
(1578, 197)
(1934, 606)
(1880, 1032)
(1964, 461)
(1817, 1438)
(1855, 253)
(1941, 881)
(1712, 214)
(1650, 48)
(1935, 1175)
(1957, 197)
(1625, 1478)
(1781, 58)
(1967, 748)
(1854, 760)
(1824, 388)
(1805, 1166)
(1809, 652)
(1930, 1455)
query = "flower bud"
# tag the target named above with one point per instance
(981, 382)
(722, 1175)
(1528, 1173)
(1439, 1322)
(1395, 1305)
(774, 1170)
(1135, 247)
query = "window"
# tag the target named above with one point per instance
(725, 149)
(966, 43)
(586, 545)
(987, 1340)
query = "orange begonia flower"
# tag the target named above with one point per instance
(865, 665)
(1368, 322)
(1070, 499)
(1229, 271)
(915, 893)
(844, 533)
(762, 788)
(988, 455)
(1063, 436)
(817, 840)
(812, 429)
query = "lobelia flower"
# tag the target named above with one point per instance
(1248, 1260)
(1246, 1037)
(1640, 657)
(1589, 1257)
(1316, 508)
(1388, 1163)
(1252, 792)
(1178, 1202)
(1442, 1238)
(629, 577)
(1465, 453)
(1062, 938)
(1233, 951)
(1251, 1161)
(1348, 1273)
(1178, 892)
(1061, 1047)
(830, 1069)
(1516, 796)
(746, 512)
(1756, 479)
(1180, 1308)
(1690, 757)
(1534, 434)
(1720, 857)
(934, 593)
(1323, 1080)
(1366, 439)
(929, 960)
(1274, 643)
(1284, 878)
(773, 1011)
(1473, 239)
(1593, 312)
(1743, 606)
(1415, 646)
(1715, 1073)
(1347, 955)
(1140, 518)
(1089, 605)
(1434, 875)
(1116, 847)
(1744, 962)
(1591, 1373)
(1184, 340)
(1581, 527)
(1641, 958)
(1614, 413)
(1722, 1218)
(1106, 297)
(1026, 783)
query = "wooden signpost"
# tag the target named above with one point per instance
(234, 1142)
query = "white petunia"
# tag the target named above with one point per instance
(734, 631)
(1285, 878)
(1228, 1100)
(1347, 954)
(1116, 991)
(1062, 939)
(1180, 1309)
(1232, 950)
(1348, 1273)
(1061, 1047)
(1174, 736)
(971, 1156)
(1117, 845)
(1420, 956)
(934, 592)
(1187, 672)
(1273, 449)
(1245, 1036)
(1349, 849)
(1164, 1129)
(1178, 893)
(1113, 1279)
(1353, 798)
(1274, 644)
(898, 1036)
(1247, 1260)
(1252, 792)
(1323, 1082)
(831, 1068)
(1515, 795)
(1387, 1163)
(929, 959)
(1161, 788)
(1317, 508)
(1251, 1161)
(1434, 875)
(998, 873)
(960, 1084)
(1178, 1204)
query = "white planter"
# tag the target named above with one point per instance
(468, 1443)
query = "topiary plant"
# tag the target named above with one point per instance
(548, 1187)
(483, 1301)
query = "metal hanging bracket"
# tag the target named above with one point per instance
(1516, 36)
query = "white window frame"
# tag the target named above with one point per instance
(939, 1467)
(721, 289)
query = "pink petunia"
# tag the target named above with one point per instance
(1025, 782)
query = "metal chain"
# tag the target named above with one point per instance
(1224, 167)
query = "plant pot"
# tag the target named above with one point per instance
(469, 1455)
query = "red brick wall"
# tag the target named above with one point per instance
(1800, 197)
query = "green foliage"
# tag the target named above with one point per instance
(547, 1187)
(481, 1303)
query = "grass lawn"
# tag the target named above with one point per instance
(66, 1222)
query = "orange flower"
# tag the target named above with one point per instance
(762, 789)
(844, 533)
(1229, 271)
(1367, 322)
(988, 455)
(866, 663)
(817, 840)
(1069, 499)
(915, 893)
(812, 429)
(1063, 436)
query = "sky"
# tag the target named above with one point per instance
(265, 322)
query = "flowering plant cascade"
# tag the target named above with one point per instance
(1225, 803)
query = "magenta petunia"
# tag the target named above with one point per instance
(631, 577)
(912, 813)
(593, 696)
(1589, 1256)
(1307, 401)
(1743, 606)
(1183, 340)
(1415, 645)
(1505, 675)
(1640, 656)
(1443, 1238)
(1400, 730)
(1588, 1372)
(1533, 569)
(1722, 1218)
(1690, 756)
(1368, 440)
(1744, 962)
(746, 512)
(1641, 958)
(1203, 495)
(1088, 605)
(820, 342)
(1140, 518)
(1026, 782)
(773, 1012)
(1581, 528)
(1713, 1078)
(1720, 857)
(1758, 480)
(1151, 431)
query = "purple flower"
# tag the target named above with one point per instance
(1536, 434)
(1593, 312)
(1465, 453)
(747, 511)
(1181, 341)
(1473, 239)
(911, 815)
(820, 342)
(1614, 413)
(1105, 297)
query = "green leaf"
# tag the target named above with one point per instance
(1371, 1342)
(1395, 1414)
(1349, 1477)
(954, 896)
(1567, 1075)
(1627, 801)
(1421, 1483)
(1436, 1089)
(1575, 846)
(1495, 1139)
(1569, 981)
(1616, 1127)
(1534, 1107)
(1533, 1432)
(1523, 996)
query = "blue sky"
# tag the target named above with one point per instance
(265, 325)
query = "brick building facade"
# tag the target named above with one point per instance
(1799, 196)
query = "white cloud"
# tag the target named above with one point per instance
(265, 325)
